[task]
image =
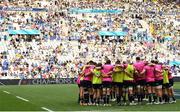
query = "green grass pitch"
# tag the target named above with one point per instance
(63, 97)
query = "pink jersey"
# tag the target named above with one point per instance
(106, 69)
(150, 76)
(158, 75)
(86, 71)
(139, 66)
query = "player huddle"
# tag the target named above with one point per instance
(126, 82)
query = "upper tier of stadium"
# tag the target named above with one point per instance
(42, 38)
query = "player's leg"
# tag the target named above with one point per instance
(104, 91)
(120, 92)
(117, 93)
(81, 95)
(165, 96)
(149, 93)
(131, 93)
(143, 90)
(98, 96)
(113, 92)
(90, 90)
(125, 92)
(86, 92)
(94, 93)
(139, 93)
(159, 92)
(171, 91)
(108, 93)
(82, 87)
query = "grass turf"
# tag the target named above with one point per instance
(62, 98)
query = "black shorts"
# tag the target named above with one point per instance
(129, 84)
(158, 82)
(171, 82)
(168, 85)
(141, 82)
(113, 84)
(150, 83)
(97, 86)
(118, 84)
(85, 83)
(106, 84)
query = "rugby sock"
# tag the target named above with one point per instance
(133, 97)
(104, 98)
(124, 95)
(86, 96)
(124, 98)
(139, 97)
(154, 97)
(173, 98)
(160, 99)
(117, 98)
(92, 99)
(120, 98)
(98, 100)
(165, 98)
(108, 97)
(114, 94)
(150, 97)
(81, 100)
(130, 98)
(142, 96)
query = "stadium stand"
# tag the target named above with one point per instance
(53, 39)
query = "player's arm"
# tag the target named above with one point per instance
(114, 71)
(109, 73)
(100, 75)
(82, 73)
(136, 72)
(143, 72)
(89, 73)
(104, 75)
(128, 74)
(160, 71)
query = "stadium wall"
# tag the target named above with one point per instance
(46, 81)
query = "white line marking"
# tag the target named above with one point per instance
(6, 92)
(22, 98)
(2, 83)
(44, 108)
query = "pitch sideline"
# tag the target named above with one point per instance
(21, 98)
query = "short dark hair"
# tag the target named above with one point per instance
(108, 61)
(91, 62)
(152, 61)
(118, 62)
(98, 65)
(138, 58)
(156, 61)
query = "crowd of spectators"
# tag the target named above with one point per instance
(68, 40)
